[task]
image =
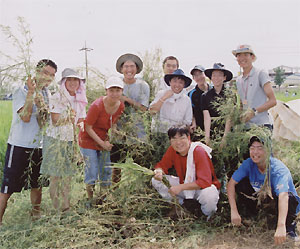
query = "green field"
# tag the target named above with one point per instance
(5, 122)
(132, 216)
(282, 96)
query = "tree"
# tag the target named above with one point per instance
(279, 76)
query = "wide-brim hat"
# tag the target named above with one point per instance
(129, 57)
(243, 49)
(219, 66)
(70, 73)
(114, 82)
(197, 67)
(180, 74)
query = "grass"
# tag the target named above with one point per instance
(5, 122)
(133, 216)
(281, 95)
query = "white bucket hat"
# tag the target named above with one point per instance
(70, 73)
(114, 82)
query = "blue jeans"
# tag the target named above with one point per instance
(96, 162)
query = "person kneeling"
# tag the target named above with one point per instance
(196, 177)
(249, 179)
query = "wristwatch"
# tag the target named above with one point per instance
(255, 111)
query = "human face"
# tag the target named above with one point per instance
(177, 84)
(129, 70)
(45, 76)
(114, 93)
(170, 66)
(72, 85)
(258, 153)
(245, 60)
(181, 143)
(217, 78)
(199, 77)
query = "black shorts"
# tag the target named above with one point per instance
(21, 170)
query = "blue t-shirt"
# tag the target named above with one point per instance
(280, 176)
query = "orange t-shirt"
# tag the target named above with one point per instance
(101, 122)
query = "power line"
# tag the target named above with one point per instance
(85, 49)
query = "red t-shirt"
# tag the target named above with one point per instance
(205, 173)
(101, 122)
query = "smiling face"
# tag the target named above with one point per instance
(170, 66)
(258, 154)
(217, 78)
(177, 84)
(45, 76)
(114, 93)
(72, 85)
(199, 77)
(129, 70)
(245, 60)
(181, 143)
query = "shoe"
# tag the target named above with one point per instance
(291, 232)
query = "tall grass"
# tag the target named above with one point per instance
(5, 122)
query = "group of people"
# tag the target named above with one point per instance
(43, 139)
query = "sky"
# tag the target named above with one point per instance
(195, 31)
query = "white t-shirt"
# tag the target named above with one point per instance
(176, 110)
(60, 104)
(27, 135)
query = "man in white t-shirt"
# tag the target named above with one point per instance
(170, 107)
(24, 154)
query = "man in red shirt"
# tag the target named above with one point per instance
(196, 176)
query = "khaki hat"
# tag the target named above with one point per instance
(129, 57)
(70, 73)
(114, 82)
(243, 49)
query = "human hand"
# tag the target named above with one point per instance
(247, 115)
(168, 94)
(80, 125)
(72, 116)
(236, 219)
(31, 84)
(207, 141)
(106, 145)
(158, 174)
(175, 190)
(193, 127)
(280, 234)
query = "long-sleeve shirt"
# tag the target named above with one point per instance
(205, 173)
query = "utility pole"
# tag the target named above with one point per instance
(85, 49)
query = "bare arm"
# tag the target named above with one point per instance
(271, 98)
(26, 111)
(207, 123)
(133, 103)
(57, 119)
(155, 107)
(283, 205)
(235, 216)
(175, 190)
(249, 114)
(104, 144)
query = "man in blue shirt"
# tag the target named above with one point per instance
(249, 178)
